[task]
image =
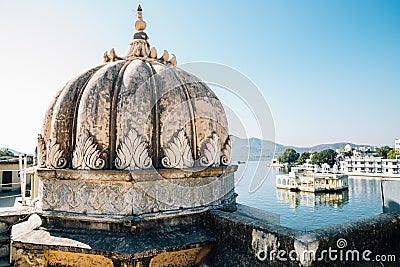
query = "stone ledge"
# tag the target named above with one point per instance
(123, 223)
(135, 175)
(33, 236)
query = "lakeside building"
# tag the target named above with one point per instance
(365, 161)
(298, 180)
(369, 165)
(9, 173)
(314, 168)
(397, 145)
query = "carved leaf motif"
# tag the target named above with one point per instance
(54, 157)
(226, 157)
(178, 153)
(132, 153)
(210, 151)
(41, 152)
(86, 154)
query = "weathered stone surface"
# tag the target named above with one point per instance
(6, 221)
(241, 237)
(62, 124)
(175, 245)
(135, 193)
(150, 98)
(3, 227)
(62, 258)
(212, 238)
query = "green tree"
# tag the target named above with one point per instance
(6, 152)
(393, 153)
(383, 151)
(326, 156)
(303, 157)
(288, 156)
(346, 153)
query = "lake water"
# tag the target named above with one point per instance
(308, 211)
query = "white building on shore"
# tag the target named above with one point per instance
(9, 173)
(397, 145)
(372, 166)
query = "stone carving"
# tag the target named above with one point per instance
(165, 56)
(79, 196)
(210, 151)
(226, 157)
(22, 257)
(54, 154)
(140, 48)
(41, 152)
(111, 57)
(132, 153)
(173, 60)
(86, 154)
(153, 53)
(132, 197)
(178, 154)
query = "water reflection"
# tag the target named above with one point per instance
(309, 199)
(307, 211)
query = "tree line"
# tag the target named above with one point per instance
(291, 156)
(6, 152)
(387, 152)
(329, 156)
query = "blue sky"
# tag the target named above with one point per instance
(330, 70)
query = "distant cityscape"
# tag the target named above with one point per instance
(364, 161)
(254, 149)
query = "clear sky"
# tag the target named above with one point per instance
(330, 70)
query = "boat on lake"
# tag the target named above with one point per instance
(312, 182)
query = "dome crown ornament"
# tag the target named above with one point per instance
(140, 47)
(140, 25)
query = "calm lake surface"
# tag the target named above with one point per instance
(308, 211)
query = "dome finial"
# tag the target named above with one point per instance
(140, 47)
(140, 25)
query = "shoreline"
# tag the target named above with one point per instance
(373, 175)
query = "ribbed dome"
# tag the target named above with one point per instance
(135, 113)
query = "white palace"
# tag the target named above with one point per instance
(369, 165)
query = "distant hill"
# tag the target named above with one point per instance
(251, 149)
(16, 153)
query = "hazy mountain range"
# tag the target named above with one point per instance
(251, 149)
(254, 148)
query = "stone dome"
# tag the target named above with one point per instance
(134, 112)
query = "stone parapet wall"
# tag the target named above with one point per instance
(243, 240)
(211, 238)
